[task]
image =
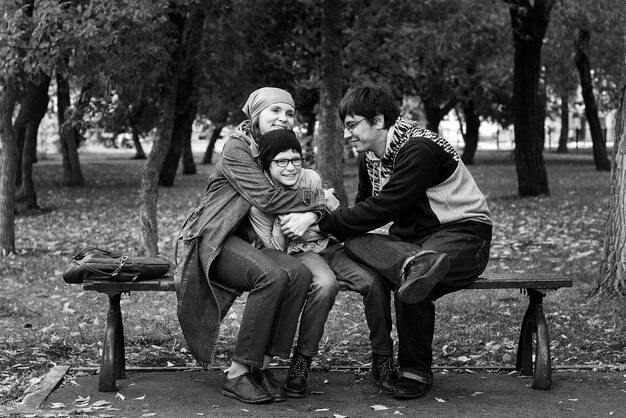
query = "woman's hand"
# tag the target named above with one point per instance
(294, 225)
(332, 202)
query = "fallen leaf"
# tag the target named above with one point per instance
(101, 403)
(321, 409)
(440, 400)
(477, 393)
(379, 407)
(141, 398)
(57, 405)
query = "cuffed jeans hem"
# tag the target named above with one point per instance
(281, 353)
(248, 362)
(307, 353)
(382, 352)
(417, 375)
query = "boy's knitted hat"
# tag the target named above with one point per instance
(274, 142)
(264, 97)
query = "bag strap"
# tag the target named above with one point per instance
(82, 253)
(104, 273)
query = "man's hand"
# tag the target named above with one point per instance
(332, 202)
(294, 225)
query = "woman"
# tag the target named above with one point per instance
(219, 262)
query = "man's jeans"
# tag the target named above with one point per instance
(386, 254)
(277, 284)
(376, 294)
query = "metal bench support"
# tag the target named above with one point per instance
(113, 361)
(534, 322)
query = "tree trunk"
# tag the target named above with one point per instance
(69, 137)
(612, 278)
(140, 154)
(215, 135)
(149, 192)
(564, 136)
(600, 157)
(330, 140)
(435, 113)
(8, 167)
(189, 165)
(470, 136)
(529, 23)
(175, 150)
(33, 107)
(186, 98)
(181, 133)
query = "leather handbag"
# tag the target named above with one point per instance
(97, 264)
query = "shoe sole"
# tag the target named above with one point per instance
(233, 395)
(417, 289)
(296, 395)
(411, 396)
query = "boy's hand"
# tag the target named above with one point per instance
(332, 202)
(294, 225)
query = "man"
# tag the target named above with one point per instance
(440, 231)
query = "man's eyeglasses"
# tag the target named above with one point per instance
(297, 162)
(352, 124)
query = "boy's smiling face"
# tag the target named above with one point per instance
(289, 175)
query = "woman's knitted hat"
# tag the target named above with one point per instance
(264, 97)
(274, 142)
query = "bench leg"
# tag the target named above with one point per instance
(113, 362)
(534, 322)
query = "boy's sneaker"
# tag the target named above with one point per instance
(385, 372)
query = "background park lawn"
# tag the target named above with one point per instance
(46, 322)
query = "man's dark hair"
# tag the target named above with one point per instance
(369, 100)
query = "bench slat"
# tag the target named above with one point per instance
(521, 281)
(492, 281)
(164, 284)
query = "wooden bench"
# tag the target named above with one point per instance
(112, 363)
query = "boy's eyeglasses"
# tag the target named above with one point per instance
(351, 125)
(297, 162)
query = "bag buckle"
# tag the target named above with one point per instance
(119, 268)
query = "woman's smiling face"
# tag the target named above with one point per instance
(276, 116)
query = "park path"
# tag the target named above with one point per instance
(345, 393)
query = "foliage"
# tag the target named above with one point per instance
(603, 19)
(46, 321)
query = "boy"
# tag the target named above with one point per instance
(280, 154)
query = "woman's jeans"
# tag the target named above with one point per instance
(277, 284)
(387, 254)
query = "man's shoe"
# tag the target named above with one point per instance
(268, 383)
(295, 384)
(385, 372)
(244, 388)
(410, 388)
(422, 275)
